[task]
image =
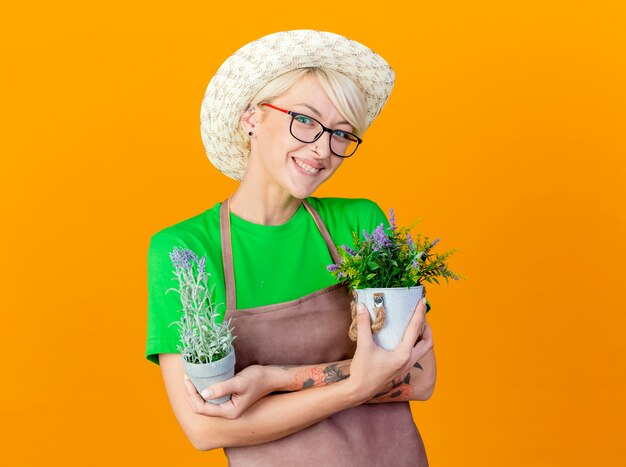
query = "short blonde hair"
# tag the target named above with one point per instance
(344, 93)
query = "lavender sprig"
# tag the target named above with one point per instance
(380, 239)
(348, 250)
(203, 339)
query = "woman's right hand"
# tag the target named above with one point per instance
(246, 387)
(372, 367)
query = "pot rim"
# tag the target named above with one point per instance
(216, 362)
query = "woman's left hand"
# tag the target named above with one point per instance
(246, 387)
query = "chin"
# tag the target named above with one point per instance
(303, 190)
(302, 194)
(301, 187)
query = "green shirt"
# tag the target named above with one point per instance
(273, 263)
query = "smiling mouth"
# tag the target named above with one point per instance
(306, 167)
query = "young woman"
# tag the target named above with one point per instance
(282, 115)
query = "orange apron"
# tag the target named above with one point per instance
(312, 330)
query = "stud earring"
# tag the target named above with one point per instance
(250, 133)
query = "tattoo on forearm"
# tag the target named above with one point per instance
(333, 373)
(316, 376)
(399, 389)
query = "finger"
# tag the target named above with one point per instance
(236, 406)
(364, 329)
(199, 406)
(222, 388)
(424, 346)
(194, 398)
(422, 327)
(412, 331)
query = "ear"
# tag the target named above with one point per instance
(249, 119)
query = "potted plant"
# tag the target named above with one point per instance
(386, 270)
(207, 351)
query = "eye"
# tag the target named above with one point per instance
(344, 136)
(304, 120)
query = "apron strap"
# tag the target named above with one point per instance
(227, 248)
(227, 255)
(324, 231)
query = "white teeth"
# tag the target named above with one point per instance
(307, 167)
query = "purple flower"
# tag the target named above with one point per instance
(201, 265)
(392, 220)
(433, 243)
(332, 267)
(380, 238)
(409, 240)
(415, 264)
(366, 236)
(181, 258)
(349, 250)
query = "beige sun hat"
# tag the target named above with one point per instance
(250, 68)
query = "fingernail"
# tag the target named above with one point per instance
(423, 301)
(360, 308)
(186, 377)
(207, 393)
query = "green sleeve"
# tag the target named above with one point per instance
(377, 217)
(163, 308)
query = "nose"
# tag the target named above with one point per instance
(322, 145)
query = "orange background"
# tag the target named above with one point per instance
(504, 133)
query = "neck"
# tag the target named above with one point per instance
(262, 205)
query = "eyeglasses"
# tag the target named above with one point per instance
(307, 130)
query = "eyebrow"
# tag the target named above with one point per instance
(313, 109)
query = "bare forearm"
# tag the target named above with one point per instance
(417, 384)
(278, 415)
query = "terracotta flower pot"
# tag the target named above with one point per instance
(203, 375)
(399, 303)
